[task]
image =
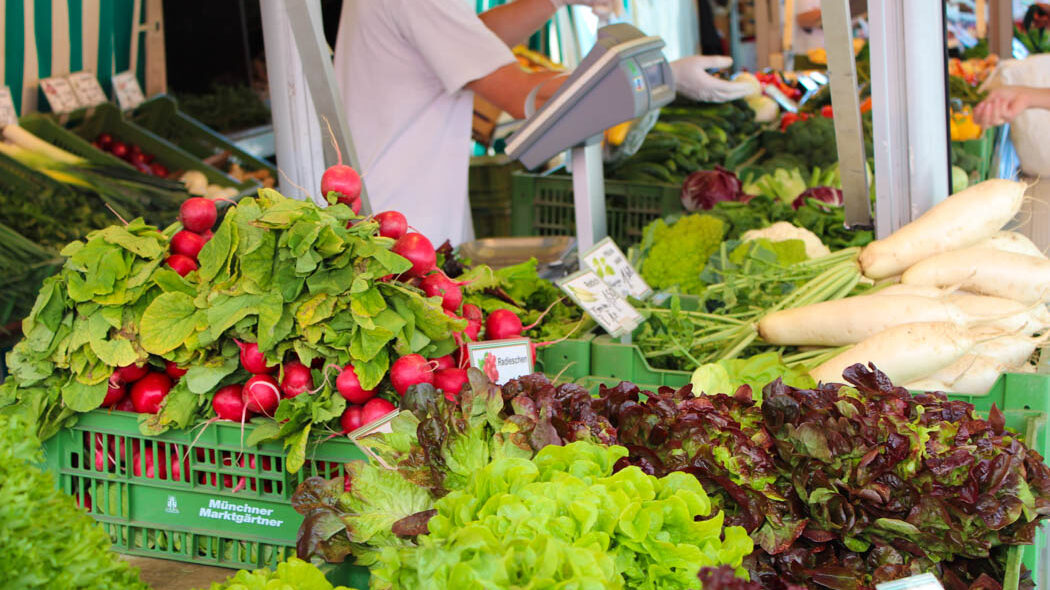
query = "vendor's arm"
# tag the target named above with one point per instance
(1005, 103)
(509, 87)
(516, 21)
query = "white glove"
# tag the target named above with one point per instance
(601, 8)
(691, 79)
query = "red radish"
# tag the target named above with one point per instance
(114, 393)
(183, 265)
(349, 386)
(198, 214)
(473, 329)
(392, 224)
(137, 158)
(159, 169)
(342, 180)
(187, 243)
(410, 370)
(228, 403)
(102, 452)
(261, 395)
(253, 360)
(375, 409)
(355, 206)
(147, 393)
(208, 235)
(472, 312)
(173, 370)
(438, 285)
(118, 149)
(125, 405)
(502, 324)
(296, 380)
(351, 419)
(419, 251)
(444, 362)
(130, 373)
(451, 381)
(105, 140)
(86, 502)
(134, 149)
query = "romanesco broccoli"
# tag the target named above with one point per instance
(677, 254)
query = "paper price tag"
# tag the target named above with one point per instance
(8, 115)
(129, 93)
(610, 309)
(60, 95)
(379, 425)
(502, 360)
(920, 582)
(608, 262)
(88, 90)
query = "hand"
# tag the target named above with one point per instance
(693, 81)
(601, 8)
(1002, 105)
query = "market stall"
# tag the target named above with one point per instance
(790, 340)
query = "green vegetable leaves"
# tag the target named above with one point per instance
(168, 322)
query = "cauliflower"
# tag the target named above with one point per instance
(678, 253)
(782, 230)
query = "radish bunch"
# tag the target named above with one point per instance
(198, 216)
(140, 388)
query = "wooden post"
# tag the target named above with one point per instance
(156, 60)
(1001, 28)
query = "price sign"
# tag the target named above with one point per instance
(8, 115)
(502, 360)
(89, 92)
(129, 93)
(610, 309)
(608, 262)
(920, 582)
(382, 424)
(60, 95)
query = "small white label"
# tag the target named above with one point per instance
(60, 95)
(610, 309)
(608, 262)
(87, 89)
(502, 360)
(378, 425)
(8, 115)
(920, 582)
(129, 93)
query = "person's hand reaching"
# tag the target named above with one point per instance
(1002, 105)
(692, 80)
(601, 8)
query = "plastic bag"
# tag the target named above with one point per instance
(614, 154)
(1031, 128)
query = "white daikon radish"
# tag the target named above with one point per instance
(1010, 350)
(987, 272)
(848, 321)
(905, 353)
(913, 290)
(961, 220)
(1005, 315)
(1011, 241)
(925, 385)
(979, 377)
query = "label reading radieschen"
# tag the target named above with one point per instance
(502, 360)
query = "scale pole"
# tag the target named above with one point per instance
(588, 186)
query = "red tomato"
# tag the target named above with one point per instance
(826, 112)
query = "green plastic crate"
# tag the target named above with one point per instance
(162, 116)
(983, 148)
(44, 127)
(107, 118)
(225, 504)
(544, 206)
(568, 360)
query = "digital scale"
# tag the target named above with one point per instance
(624, 77)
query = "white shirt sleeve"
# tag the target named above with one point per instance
(454, 42)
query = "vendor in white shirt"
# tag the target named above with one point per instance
(407, 70)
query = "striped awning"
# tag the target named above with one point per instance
(44, 38)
